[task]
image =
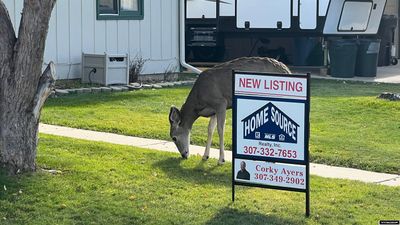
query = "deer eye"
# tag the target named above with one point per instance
(174, 139)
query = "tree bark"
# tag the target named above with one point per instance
(23, 88)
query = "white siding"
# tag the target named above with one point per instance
(74, 29)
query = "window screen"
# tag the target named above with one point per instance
(355, 16)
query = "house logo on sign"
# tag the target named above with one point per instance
(269, 123)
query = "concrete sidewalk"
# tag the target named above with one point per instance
(385, 74)
(315, 169)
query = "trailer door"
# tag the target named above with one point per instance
(354, 17)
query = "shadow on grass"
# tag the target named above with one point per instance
(40, 198)
(228, 216)
(202, 173)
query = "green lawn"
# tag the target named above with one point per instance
(349, 125)
(110, 184)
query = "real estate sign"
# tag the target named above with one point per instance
(270, 131)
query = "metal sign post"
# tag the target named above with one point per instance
(271, 132)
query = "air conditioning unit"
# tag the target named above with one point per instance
(105, 69)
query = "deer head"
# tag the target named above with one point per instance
(179, 134)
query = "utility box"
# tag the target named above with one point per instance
(105, 69)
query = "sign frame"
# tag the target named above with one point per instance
(235, 129)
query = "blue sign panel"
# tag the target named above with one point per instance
(269, 123)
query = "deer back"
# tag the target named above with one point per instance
(215, 84)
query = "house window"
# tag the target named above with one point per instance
(119, 9)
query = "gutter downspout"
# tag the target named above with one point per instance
(182, 55)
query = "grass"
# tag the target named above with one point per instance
(110, 184)
(349, 125)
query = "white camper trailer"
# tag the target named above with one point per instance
(293, 31)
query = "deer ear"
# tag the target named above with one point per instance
(174, 115)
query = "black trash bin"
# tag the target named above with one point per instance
(367, 57)
(342, 55)
(386, 34)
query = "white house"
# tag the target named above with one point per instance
(145, 28)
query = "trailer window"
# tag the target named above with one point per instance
(308, 14)
(355, 16)
(201, 9)
(270, 14)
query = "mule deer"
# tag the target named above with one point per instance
(211, 96)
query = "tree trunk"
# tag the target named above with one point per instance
(23, 88)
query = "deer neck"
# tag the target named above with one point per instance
(188, 115)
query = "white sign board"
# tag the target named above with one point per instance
(271, 130)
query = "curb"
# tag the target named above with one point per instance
(56, 93)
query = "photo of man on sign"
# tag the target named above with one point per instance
(243, 174)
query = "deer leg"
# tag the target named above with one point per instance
(221, 116)
(211, 127)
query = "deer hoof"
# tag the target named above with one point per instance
(205, 158)
(221, 162)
